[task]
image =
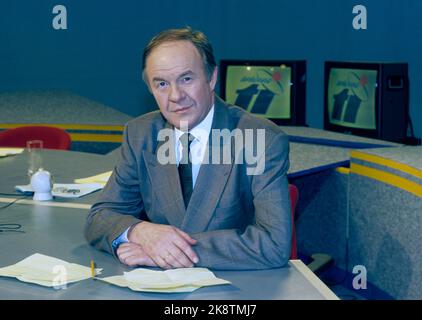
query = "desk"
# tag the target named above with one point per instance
(58, 232)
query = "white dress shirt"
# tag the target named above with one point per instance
(198, 146)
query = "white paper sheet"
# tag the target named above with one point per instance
(47, 271)
(101, 178)
(175, 280)
(4, 152)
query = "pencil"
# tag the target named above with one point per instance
(92, 268)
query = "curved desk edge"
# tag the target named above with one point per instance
(314, 280)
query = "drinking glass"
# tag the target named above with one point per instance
(34, 148)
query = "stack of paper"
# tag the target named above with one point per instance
(47, 271)
(4, 152)
(101, 178)
(175, 280)
(67, 190)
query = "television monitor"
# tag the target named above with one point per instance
(367, 99)
(272, 89)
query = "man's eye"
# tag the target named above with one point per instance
(161, 84)
(187, 79)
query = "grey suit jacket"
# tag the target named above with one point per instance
(240, 221)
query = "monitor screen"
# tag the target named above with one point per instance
(262, 90)
(271, 89)
(351, 97)
(369, 99)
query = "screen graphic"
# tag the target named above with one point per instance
(262, 90)
(351, 97)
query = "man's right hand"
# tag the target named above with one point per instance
(132, 255)
(168, 246)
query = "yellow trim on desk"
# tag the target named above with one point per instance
(65, 126)
(343, 170)
(387, 163)
(387, 178)
(96, 137)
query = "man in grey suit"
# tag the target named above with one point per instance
(169, 202)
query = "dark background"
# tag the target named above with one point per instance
(98, 56)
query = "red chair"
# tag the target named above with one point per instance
(294, 195)
(52, 137)
(319, 260)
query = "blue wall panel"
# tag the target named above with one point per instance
(98, 56)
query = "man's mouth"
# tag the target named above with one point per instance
(181, 110)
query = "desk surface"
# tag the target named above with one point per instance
(58, 232)
(65, 166)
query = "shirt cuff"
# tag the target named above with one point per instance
(121, 239)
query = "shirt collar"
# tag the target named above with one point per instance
(201, 131)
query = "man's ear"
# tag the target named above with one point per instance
(214, 77)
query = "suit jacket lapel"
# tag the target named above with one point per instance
(165, 182)
(211, 179)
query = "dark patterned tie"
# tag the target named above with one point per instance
(185, 168)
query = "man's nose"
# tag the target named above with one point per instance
(176, 94)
